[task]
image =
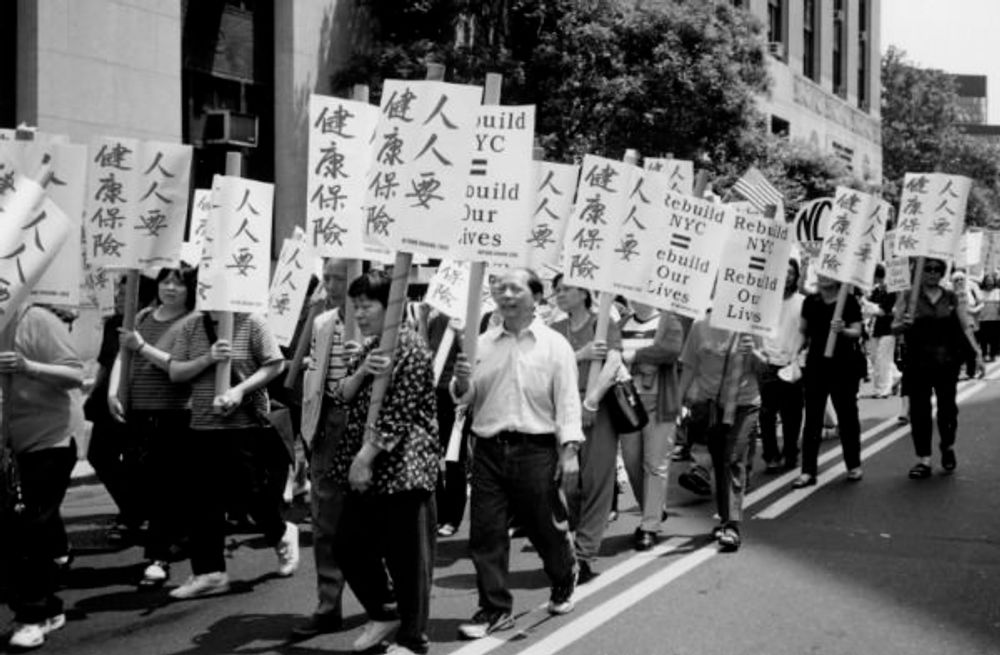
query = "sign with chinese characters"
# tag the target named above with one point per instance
(499, 193)
(163, 186)
(897, 269)
(602, 227)
(234, 272)
(932, 214)
(679, 273)
(853, 241)
(555, 185)
(340, 151)
(415, 193)
(288, 287)
(32, 233)
(751, 281)
(201, 211)
(679, 173)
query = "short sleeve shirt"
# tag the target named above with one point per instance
(253, 346)
(151, 388)
(580, 338)
(818, 316)
(710, 353)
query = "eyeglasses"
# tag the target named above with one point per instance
(934, 269)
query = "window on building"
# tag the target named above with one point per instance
(840, 48)
(810, 39)
(737, 4)
(864, 50)
(779, 126)
(776, 28)
(8, 64)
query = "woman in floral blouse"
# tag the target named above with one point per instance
(389, 470)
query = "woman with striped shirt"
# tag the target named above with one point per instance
(157, 411)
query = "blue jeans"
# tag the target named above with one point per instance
(516, 479)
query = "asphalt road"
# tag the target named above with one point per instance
(887, 565)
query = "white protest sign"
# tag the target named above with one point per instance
(61, 282)
(288, 287)
(32, 232)
(853, 241)
(423, 142)
(201, 211)
(112, 208)
(932, 214)
(234, 273)
(681, 272)
(751, 282)
(679, 173)
(500, 192)
(340, 152)
(969, 253)
(897, 269)
(555, 186)
(164, 175)
(601, 213)
(811, 224)
(991, 251)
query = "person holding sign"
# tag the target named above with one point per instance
(939, 341)
(44, 415)
(225, 429)
(590, 502)
(526, 429)
(387, 471)
(708, 379)
(836, 378)
(157, 411)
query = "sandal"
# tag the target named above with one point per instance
(920, 471)
(804, 480)
(729, 539)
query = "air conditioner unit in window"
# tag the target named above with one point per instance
(225, 127)
(777, 49)
(838, 15)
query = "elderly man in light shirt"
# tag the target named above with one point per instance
(526, 432)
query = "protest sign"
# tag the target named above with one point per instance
(163, 186)
(416, 187)
(604, 198)
(679, 173)
(499, 194)
(61, 282)
(811, 223)
(340, 151)
(234, 273)
(897, 269)
(289, 286)
(111, 202)
(853, 241)
(555, 185)
(201, 211)
(751, 281)
(931, 215)
(969, 254)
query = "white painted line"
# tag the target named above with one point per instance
(603, 613)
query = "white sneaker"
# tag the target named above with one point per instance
(288, 551)
(373, 633)
(155, 574)
(32, 635)
(206, 584)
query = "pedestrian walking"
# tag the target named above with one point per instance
(780, 381)
(939, 341)
(712, 375)
(989, 319)
(651, 345)
(883, 342)
(452, 486)
(387, 471)
(590, 497)
(228, 444)
(834, 378)
(157, 415)
(44, 419)
(526, 431)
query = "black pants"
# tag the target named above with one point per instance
(822, 381)
(233, 468)
(452, 484)
(394, 531)
(943, 381)
(38, 535)
(158, 467)
(516, 478)
(785, 399)
(327, 504)
(114, 450)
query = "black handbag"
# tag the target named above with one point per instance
(625, 407)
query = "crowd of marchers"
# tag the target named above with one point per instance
(538, 441)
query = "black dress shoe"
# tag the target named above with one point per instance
(318, 624)
(585, 574)
(644, 539)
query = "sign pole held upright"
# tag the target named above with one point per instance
(224, 369)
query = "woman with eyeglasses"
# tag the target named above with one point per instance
(939, 339)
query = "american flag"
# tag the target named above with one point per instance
(759, 192)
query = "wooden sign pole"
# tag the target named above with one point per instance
(918, 279)
(130, 309)
(224, 369)
(604, 305)
(838, 313)
(477, 270)
(397, 303)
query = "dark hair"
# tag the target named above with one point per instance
(588, 301)
(189, 278)
(374, 285)
(794, 263)
(879, 271)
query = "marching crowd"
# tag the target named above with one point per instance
(540, 435)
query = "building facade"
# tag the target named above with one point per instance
(826, 76)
